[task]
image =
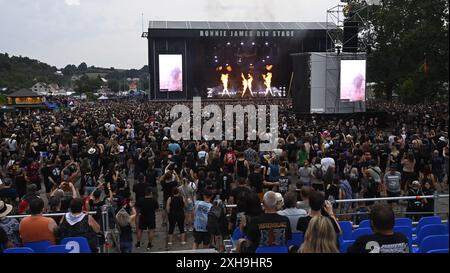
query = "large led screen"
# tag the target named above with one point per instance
(170, 72)
(353, 80)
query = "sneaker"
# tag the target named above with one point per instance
(138, 245)
(183, 243)
(149, 245)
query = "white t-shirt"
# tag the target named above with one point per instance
(326, 162)
(12, 145)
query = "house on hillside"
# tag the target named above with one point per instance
(41, 88)
(53, 88)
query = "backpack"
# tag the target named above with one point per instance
(217, 222)
(122, 213)
(318, 172)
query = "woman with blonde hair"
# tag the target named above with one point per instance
(320, 237)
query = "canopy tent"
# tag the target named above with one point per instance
(103, 97)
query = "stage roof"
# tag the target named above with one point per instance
(240, 25)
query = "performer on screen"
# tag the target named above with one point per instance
(358, 88)
(224, 79)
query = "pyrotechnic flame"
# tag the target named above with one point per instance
(268, 83)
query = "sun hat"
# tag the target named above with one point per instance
(5, 209)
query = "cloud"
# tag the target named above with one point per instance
(73, 2)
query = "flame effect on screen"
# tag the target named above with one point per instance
(268, 83)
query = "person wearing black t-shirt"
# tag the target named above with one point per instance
(256, 181)
(151, 178)
(238, 196)
(95, 204)
(168, 181)
(319, 206)
(224, 185)
(237, 192)
(383, 239)
(267, 229)
(146, 211)
(139, 187)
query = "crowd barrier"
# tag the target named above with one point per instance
(435, 211)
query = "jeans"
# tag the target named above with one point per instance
(126, 247)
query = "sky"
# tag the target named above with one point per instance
(107, 33)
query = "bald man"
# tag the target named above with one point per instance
(267, 229)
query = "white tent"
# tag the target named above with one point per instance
(103, 97)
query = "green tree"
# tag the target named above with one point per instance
(70, 70)
(3, 100)
(86, 84)
(409, 48)
(82, 67)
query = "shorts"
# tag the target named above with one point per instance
(145, 223)
(202, 237)
(189, 207)
(229, 168)
(392, 194)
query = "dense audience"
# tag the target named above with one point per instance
(118, 158)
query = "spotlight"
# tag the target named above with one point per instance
(253, 43)
(264, 61)
(267, 57)
(267, 43)
(228, 43)
(226, 64)
(242, 43)
(215, 57)
(216, 61)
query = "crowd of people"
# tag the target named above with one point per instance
(118, 158)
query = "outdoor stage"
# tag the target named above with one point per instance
(219, 60)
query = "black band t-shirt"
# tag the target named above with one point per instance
(379, 243)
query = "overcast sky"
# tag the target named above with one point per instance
(107, 33)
